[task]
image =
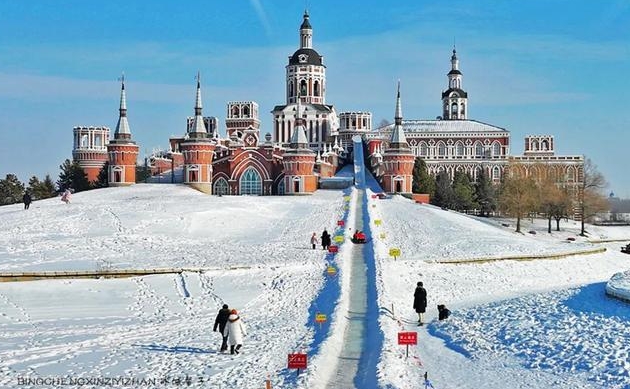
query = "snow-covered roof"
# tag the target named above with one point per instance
(451, 126)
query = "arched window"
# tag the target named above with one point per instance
(424, 150)
(235, 111)
(570, 174)
(281, 187)
(316, 88)
(220, 187)
(496, 173)
(462, 109)
(544, 146)
(251, 183)
(291, 91)
(459, 148)
(496, 149)
(84, 141)
(478, 149)
(441, 149)
(246, 111)
(534, 145)
(303, 88)
(454, 108)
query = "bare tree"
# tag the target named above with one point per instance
(590, 199)
(518, 194)
(553, 196)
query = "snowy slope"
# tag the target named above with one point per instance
(515, 324)
(160, 326)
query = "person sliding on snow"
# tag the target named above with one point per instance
(235, 331)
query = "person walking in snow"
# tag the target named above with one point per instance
(27, 200)
(325, 240)
(65, 197)
(235, 331)
(420, 301)
(220, 322)
(314, 240)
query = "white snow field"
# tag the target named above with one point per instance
(259, 261)
(514, 324)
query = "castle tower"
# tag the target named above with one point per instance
(90, 149)
(198, 150)
(454, 99)
(122, 151)
(306, 78)
(299, 161)
(242, 122)
(398, 159)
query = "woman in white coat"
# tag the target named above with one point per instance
(234, 331)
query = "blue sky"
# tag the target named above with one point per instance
(534, 67)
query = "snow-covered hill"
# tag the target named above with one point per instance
(515, 324)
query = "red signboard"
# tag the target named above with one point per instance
(407, 338)
(333, 249)
(297, 361)
(341, 223)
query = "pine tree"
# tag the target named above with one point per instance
(423, 182)
(41, 189)
(443, 191)
(143, 173)
(102, 181)
(485, 194)
(48, 188)
(11, 190)
(72, 176)
(463, 192)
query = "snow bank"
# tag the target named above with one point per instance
(619, 286)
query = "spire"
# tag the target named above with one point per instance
(306, 33)
(398, 139)
(398, 114)
(198, 126)
(454, 60)
(122, 127)
(298, 138)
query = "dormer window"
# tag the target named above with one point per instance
(302, 58)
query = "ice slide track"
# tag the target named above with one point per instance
(362, 340)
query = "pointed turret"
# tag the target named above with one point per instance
(198, 129)
(198, 150)
(398, 139)
(122, 127)
(122, 151)
(398, 159)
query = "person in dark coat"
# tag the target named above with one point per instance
(420, 301)
(220, 322)
(27, 200)
(443, 312)
(325, 240)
